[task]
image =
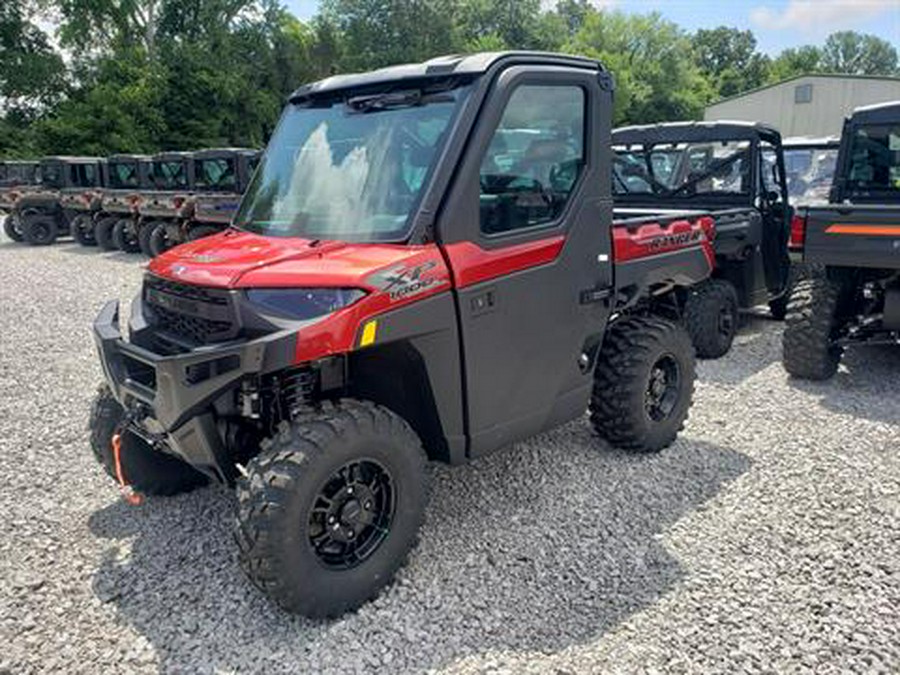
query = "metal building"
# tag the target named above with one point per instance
(807, 105)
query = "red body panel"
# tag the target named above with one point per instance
(649, 239)
(472, 264)
(393, 275)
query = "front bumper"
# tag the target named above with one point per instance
(170, 398)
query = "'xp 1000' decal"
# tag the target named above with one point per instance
(402, 281)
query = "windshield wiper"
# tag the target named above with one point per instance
(385, 100)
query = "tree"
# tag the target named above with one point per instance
(728, 58)
(795, 61)
(376, 33)
(652, 61)
(855, 54)
(31, 72)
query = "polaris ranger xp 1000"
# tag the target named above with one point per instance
(399, 285)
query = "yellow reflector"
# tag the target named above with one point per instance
(368, 335)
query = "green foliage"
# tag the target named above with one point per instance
(727, 57)
(850, 52)
(148, 75)
(793, 62)
(651, 59)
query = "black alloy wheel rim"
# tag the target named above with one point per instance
(40, 231)
(663, 387)
(352, 514)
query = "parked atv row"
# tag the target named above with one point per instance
(131, 203)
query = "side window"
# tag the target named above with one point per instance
(534, 159)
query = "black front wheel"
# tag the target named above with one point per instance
(39, 230)
(158, 240)
(82, 229)
(643, 383)
(124, 238)
(103, 231)
(330, 508)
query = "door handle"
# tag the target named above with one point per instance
(482, 303)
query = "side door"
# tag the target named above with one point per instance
(526, 233)
(776, 214)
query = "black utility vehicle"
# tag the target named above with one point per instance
(16, 178)
(166, 202)
(69, 187)
(128, 177)
(853, 297)
(721, 167)
(399, 286)
(220, 177)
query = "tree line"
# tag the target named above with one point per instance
(151, 75)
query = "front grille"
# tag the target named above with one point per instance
(194, 314)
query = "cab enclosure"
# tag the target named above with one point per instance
(220, 176)
(69, 186)
(116, 212)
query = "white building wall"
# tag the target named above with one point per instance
(833, 98)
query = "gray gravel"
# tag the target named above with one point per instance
(767, 538)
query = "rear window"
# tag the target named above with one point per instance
(874, 159)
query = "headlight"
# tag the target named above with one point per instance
(303, 303)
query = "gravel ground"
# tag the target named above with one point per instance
(767, 538)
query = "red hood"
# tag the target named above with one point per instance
(235, 259)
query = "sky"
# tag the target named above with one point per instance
(777, 24)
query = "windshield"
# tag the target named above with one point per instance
(52, 174)
(874, 160)
(809, 172)
(168, 174)
(349, 170)
(215, 174)
(681, 170)
(123, 175)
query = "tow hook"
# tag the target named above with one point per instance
(127, 492)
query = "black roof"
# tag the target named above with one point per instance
(128, 157)
(692, 132)
(440, 67)
(811, 142)
(72, 159)
(225, 152)
(877, 113)
(170, 155)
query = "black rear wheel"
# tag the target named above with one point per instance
(12, 228)
(811, 326)
(103, 230)
(711, 317)
(124, 238)
(643, 383)
(146, 469)
(330, 507)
